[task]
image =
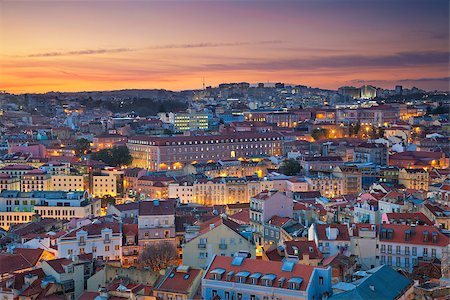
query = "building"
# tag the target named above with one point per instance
(401, 246)
(9, 182)
(371, 153)
(264, 206)
(378, 283)
(107, 141)
(244, 278)
(174, 152)
(103, 240)
(35, 180)
(328, 186)
(415, 179)
(187, 121)
(156, 222)
(363, 244)
(56, 168)
(68, 183)
(219, 236)
(419, 160)
(352, 179)
(331, 239)
(21, 207)
(304, 252)
(130, 245)
(179, 283)
(104, 184)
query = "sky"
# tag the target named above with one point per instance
(108, 45)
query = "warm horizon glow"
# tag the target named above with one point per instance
(110, 45)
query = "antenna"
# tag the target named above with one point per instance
(203, 82)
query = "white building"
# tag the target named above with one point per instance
(400, 245)
(331, 239)
(103, 240)
(67, 183)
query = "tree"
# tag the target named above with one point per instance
(158, 255)
(115, 157)
(357, 128)
(107, 200)
(82, 146)
(319, 133)
(290, 167)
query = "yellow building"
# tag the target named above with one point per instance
(416, 179)
(35, 180)
(67, 183)
(219, 236)
(7, 219)
(104, 184)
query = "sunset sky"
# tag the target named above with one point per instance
(106, 45)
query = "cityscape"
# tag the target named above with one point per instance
(224, 150)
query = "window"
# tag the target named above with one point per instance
(414, 251)
(383, 248)
(414, 261)
(433, 252)
(383, 259)
(320, 280)
(406, 250)
(406, 262)
(397, 249)
(106, 248)
(389, 249)
(94, 249)
(425, 252)
(397, 261)
(70, 251)
(389, 260)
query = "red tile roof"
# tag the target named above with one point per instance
(241, 217)
(342, 231)
(263, 267)
(157, 207)
(304, 247)
(278, 221)
(413, 217)
(180, 282)
(94, 229)
(58, 264)
(417, 237)
(21, 259)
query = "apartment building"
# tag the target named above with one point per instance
(401, 245)
(104, 184)
(20, 207)
(329, 186)
(174, 152)
(9, 182)
(331, 239)
(219, 236)
(263, 207)
(416, 179)
(371, 153)
(35, 180)
(68, 183)
(103, 240)
(244, 278)
(156, 222)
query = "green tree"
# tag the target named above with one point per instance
(82, 146)
(319, 133)
(290, 167)
(115, 157)
(357, 128)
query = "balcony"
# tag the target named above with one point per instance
(223, 246)
(82, 243)
(130, 253)
(201, 246)
(108, 241)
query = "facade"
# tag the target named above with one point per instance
(35, 180)
(174, 152)
(220, 236)
(363, 244)
(416, 179)
(107, 141)
(331, 239)
(179, 283)
(264, 206)
(371, 153)
(68, 183)
(130, 245)
(20, 207)
(103, 240)
(401, 246)
(187, 121)
(329, 186)
(104, 184)
(247, 279)
(9, 182)
(156, 222)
